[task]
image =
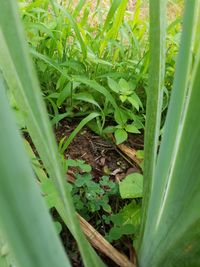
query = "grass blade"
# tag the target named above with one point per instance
(20, 76)
(78, 8)
(154, 94)
(21, 203)
(173, 223)
(5, 257)
(78, 128)
(111, 14)
(113, 32)
(75, 26)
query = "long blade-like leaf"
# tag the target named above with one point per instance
(84, 121)
(111, 14)
(113, 32)
(25, 221)
(154, 94)
(20, 76)
(6, 259)
(73, 24)
(172, 230)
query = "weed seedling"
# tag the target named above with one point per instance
(90, 197)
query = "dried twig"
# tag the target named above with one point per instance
(101, 244)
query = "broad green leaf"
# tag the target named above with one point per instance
(120, 116)
(131, 186)
(123, 98)
(115, 233)
(109, 129)
(140, 154)
(131, 128)
(86, 97)
(129, 214)
(120, 136)
(124, 86)
(133, 101)
(126, 221)
(114, 86)
(102, 90)
(79, 163)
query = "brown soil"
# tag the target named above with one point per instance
(102, 155)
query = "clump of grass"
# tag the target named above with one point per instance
(69, 42)
(94, 41)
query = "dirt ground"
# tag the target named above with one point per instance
(104, 156)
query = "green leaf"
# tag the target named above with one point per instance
(126, 221)
(106, 207)
(111, 13)
(78, 8)
(124, 86)
(154, 94)
(172, 218)
(134, 101)
(131, 128)
(84, 121)
(120, 136)
(86, 97)
(21, 78)
(123, 98)
(102, 90)
(58, 227)
(121, 116)
(131, 186)
(109, 129)
(76, 28)
(115, 233)
(6, 260)
(128, 229)
(64, 94)
(140, 154)
(79, 163)
(113, 32)
(21, 202)
(114, 86)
